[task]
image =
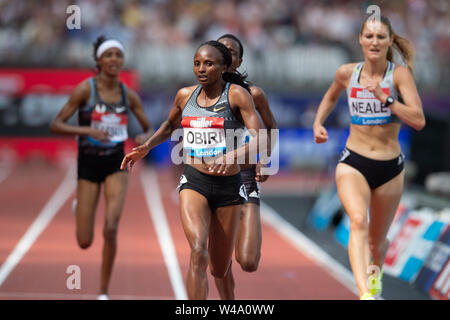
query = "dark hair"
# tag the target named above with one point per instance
(403, 45)
(233, 77)
(97, 44)
(233, 37)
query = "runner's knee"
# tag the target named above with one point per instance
(84, 241)
(248, 263)
(199, 257)
(110, 232)
(359, 223)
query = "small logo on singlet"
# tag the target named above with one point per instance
(120, 109)
(100, 108)
(218, 109)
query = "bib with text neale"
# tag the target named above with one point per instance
(367, 110)
(203, 136)
(115, 124)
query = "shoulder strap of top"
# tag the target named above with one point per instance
(125, 99)
(227, 87)
(388, 79)
(354, 80)
(97, 96)
(224, 94)
(358, 70)
(193, 98)
(93, 93)
(390, 69)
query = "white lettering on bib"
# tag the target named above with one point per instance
(365, 109)
(113, 123)
(203, 136)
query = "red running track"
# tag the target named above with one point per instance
(140, 272)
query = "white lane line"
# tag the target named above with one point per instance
(152, 195)
(52, 207)
(308, 247)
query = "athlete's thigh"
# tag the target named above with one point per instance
(249, 232)
(195, 218)
(87, 198)
(384, 203)
(353, 191)
(115, 190)
(223, 230)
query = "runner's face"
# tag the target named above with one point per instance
(375, 40)
(111, 61)
(234, 49)
(208, 65)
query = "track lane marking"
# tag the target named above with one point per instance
(62, 193)
(153, 197)
(307, 247)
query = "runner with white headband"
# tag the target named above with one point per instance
(107, 45)
(103, 103)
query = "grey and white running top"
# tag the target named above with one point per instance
(364, 108)
(210, 131)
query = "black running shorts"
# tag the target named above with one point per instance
(96, 168)
(220, 191)
(376, 172)
(251, 185)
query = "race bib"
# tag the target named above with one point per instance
(114, 124)
(367, 110)
(203, 136)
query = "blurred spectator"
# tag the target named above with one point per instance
(34, 33)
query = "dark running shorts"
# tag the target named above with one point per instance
(96, 168)
(251, 185)
(376, 172)
(220, 191)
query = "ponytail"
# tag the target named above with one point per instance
(237, 78)
(405, 48)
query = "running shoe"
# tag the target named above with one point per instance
(377, 285)
(103, 297)
(367, 296)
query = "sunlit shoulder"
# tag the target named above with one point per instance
(344, 73)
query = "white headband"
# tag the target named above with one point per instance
(107, 45)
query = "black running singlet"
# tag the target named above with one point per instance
(112, 118)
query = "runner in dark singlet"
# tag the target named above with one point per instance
(211, 190)
(249, 238)
(103, 104)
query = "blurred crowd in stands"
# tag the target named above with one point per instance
(34, 33)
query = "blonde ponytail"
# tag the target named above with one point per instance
(403, 46)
